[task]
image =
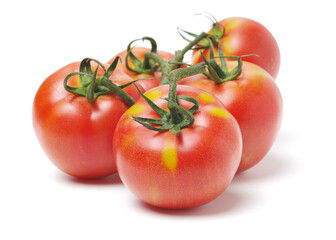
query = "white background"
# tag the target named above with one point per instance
(289, 195)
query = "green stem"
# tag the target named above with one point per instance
(116, 89)
(164, 66)
(167, 67)
(156, 58)
(174, 76)
(180, 54)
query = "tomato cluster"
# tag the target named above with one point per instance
(177, 134)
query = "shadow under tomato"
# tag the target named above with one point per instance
(277, 163)
(227, 203)
(272, 166)
(113, 179)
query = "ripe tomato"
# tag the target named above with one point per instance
(255, 101)
(244, 36)
(75, 134)
(183, 171)
(139, 52)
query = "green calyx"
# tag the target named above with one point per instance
(219, 73)
(178, 117)
(146, 66)
(217, 32)
(183, 118)
(93, 86)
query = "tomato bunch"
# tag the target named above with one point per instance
(177, 134)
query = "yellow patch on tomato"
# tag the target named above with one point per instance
(137, 108)
(153, 94)
(260, 73)
(206, 98)
(227, 46)
(257, 80)
(232, 23)
(169, 156)
(219, 112)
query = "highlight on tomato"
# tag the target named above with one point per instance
(177, 146)
(75, 111)
(250, 94)
(241, 36)
(136, 65)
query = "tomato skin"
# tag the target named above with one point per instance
(245, 36)
(75, 134)
(139, 52)
(182, 171)
(255, 101)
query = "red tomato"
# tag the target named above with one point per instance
(183, 171)
(139, 52)
(75, 134)
(255, 101)
(244, 36)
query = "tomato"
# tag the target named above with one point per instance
(139, 52)
(75, 134)
(183, 171)
(245, 36)
(255, 101)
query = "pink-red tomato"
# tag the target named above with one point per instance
(139, 52)
(75, 134)
(255, 101)
(245, 36)
(184, 171)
